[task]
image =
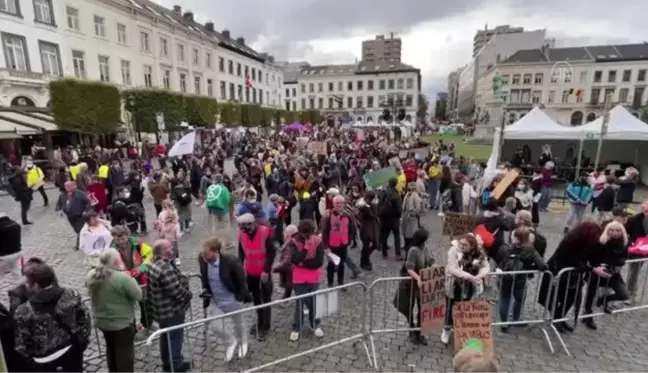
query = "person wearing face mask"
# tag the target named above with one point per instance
(36, 180)
(257, 251)
(524, 195)
(606, 261)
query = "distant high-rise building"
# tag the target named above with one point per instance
(483, 36)
(382, 48)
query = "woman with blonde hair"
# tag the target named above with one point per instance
(606, 261)
(114, 298)
(411, 215)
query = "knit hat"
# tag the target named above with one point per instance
(246, 219)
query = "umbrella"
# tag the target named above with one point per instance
(295, 126)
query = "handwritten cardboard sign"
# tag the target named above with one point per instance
(317, 147)
(455, 224)
(472, 319)
(506, 182)
(433, 299)
(302, 142)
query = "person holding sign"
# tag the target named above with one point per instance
(409, 291)
(465, 272)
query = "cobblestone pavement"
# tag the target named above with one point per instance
(618, 345)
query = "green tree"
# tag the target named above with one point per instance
(291, 116)
(250, 115)
(146, 104)
(278, 116)
(201, 111)
(85, 106)
(422, 109)
(230, 114)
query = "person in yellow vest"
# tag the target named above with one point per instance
(74, 171)
(434, 181)
(36, 180)
(401, 181)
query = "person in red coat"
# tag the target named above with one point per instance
(98, 195)
(410, 171)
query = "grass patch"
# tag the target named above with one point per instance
(463, 147)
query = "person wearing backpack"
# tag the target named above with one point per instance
(520, 255)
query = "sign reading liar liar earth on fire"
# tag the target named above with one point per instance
(433, 299)
(472, 320)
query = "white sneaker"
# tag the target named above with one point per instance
(177, 261)
(306, 311)
(294, 336)
(319, 333)
(445, 336)
(229, 352)
(242, 351)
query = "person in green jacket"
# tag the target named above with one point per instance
(218, 205)
(114, 296)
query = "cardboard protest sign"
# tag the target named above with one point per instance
(302, 142)
(379, 178)
(433, 299)
(506, 182)
(317, 147)
(455, 224)
(472, 320)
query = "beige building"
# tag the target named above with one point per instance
(570, 84)
(483, 36)
(382, 48)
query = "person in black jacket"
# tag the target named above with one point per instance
(524, 218)
(496, 223)
(606, 261)
(390, 208)
(224, 285)
(520, 255)
(21, 193)
(636, 227)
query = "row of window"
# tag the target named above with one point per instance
(338, 103)
(565, 76)
(527, 96)
(164, 46)
(43, 10)
(359, 86)
(17, 56)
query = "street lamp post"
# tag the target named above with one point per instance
(604, 128)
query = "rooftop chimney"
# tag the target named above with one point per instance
(177, 9)
(226, 33)
(209, 26)
(188, 16)
(240, 40)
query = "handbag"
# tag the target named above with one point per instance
(639, 247)
(487, 237)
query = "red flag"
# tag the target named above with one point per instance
(248, 82)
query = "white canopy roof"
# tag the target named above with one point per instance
(621, 126)
(537, 125)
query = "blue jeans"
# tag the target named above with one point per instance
(545, 197)
(433, 189)
(511, 289)
(298, 317)
(176, 338)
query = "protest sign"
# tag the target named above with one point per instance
(506, 181)
(433, 299)
(456, 224)
(472, 320)
(317, 147)
(96, 242)
(379, 178)
(302, 143)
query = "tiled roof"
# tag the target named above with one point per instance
(362, 67)
(593, 53)
(222, 40)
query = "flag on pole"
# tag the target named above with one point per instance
(248, 82)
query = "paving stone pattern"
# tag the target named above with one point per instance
(618, 345)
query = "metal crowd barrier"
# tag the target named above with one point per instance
(334, 332)
(143, 314)
(575, 293)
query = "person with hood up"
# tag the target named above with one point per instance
(52, 329)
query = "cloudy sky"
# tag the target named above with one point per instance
(437, 34)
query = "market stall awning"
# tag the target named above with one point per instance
(537, 125)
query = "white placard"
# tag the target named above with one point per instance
(96, 242)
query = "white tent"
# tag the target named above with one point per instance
(537, 125)
(621, 126)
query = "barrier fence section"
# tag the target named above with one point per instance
(506, 291)
(143, 315)
(576, 292)
(325, 304)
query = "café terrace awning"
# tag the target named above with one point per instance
(41, 121)
(11, 130)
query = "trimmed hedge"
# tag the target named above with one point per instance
(85, 106)
(201, 111)
(145, 104)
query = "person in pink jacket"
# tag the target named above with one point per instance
(307, 257)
